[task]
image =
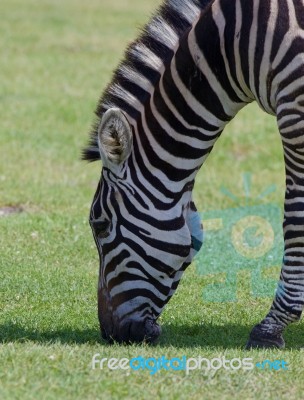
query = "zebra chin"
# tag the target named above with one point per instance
(131, 331)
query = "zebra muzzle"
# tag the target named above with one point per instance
(135, 331)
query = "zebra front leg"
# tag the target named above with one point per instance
(287, 306)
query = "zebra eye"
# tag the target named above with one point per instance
(101, 228)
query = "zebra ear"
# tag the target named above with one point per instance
(114, 136)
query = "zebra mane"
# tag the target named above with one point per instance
(143, 61)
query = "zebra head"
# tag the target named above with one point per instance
(144, 242)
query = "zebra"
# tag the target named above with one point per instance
(192, 68)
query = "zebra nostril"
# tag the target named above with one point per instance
(152, 329)
(133, 331)
(144, 331)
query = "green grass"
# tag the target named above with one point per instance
(56, 57)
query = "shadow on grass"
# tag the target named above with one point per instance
(10, 332)
(227, 336)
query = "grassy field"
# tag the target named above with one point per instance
(56, 57)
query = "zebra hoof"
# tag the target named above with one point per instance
(260, 338)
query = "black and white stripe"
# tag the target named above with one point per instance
(196, 64)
